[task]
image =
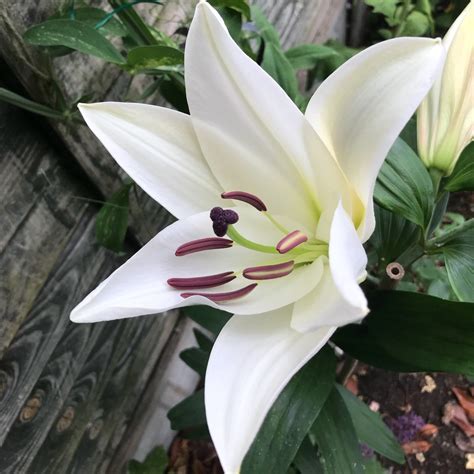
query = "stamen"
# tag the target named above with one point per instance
(251, 199)
(290, 241)
(209, 281)
(227, 296)
(199, 245)
(269, 272)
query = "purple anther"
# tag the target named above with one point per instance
(216, 213)
(269, 272)
(251, 199)
(208, 281)
(219, 227)
(230, 216)
(290, 241)
(221, 218)
(222, 297)
(209, 243)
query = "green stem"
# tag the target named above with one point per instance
(136, 27)
(241, 240)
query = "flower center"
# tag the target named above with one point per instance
(296, 248)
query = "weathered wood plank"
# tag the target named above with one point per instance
(71, 77)
(304, 21)
(171, 381)
(39, 208)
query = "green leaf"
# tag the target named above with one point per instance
(384, 7)
(112, 220)
(154, 57)
(416, 24)
(291, 417)
(411, 332)
(372, 466)
(209, 318)
(462, 177)
(74, 35)
(458, 252)
(370, 428)
(155, 463)
(174, 93)
(307, 56)
(239, 5)
(203, 341)
(278, 66)
(393, 236)
(91, 16)
(188, 413)
(404, 185)
(195, 358)
(336, 438)
(265, 29)
(307, 460)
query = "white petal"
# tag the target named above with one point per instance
(347, 259)
(252, 360)
(362, 107)
(338, 298)
(324, 306)
(254, 138)
(158, 148)
(140, 286)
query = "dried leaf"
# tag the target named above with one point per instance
(428, 431)
(465, 400)
(414, 447)
(453, 413)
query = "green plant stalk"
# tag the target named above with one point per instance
(405, 10)
(136, 27)
(26, 104)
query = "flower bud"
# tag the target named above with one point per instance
(446, 115)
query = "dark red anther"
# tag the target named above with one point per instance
(248, 198)
(199, 245)
(225, 296)
(209, 281)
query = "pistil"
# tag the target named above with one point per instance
(225, 296)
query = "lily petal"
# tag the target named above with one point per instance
(361, 108)
(158, 148)
(324, 306)
(140, 287)
(252, 135)
(338, 298)
(252, 360)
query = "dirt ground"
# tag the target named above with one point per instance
(398, 394)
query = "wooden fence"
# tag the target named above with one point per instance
(83, 398)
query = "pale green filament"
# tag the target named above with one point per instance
(249, 244)
(275, 223)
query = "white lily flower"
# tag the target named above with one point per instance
(299, 195)
(446, 116)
